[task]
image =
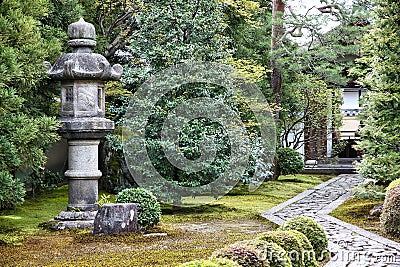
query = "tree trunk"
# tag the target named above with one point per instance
(278, 9)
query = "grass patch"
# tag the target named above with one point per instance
(242, 204)
(192, 232)
(34, 211)
(356, 211)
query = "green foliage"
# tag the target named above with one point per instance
(149, 210)
(25, 131)
(370, 190)
(275, 254)
(104, 199)
(245, 256)
(215, 262)
(12, 191)
(379, 71)
(169, 33)
(390, 218)
(312, 230)
(309, 102)
(289, 161)
(296, 244)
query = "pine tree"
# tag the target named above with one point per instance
(25, 132)
(379, 71)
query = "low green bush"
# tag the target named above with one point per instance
(312, 230)
(274, 253)
(296, 244)
(149, 210)
(390, 218)
(12, 191)
(215, 262)
(393, 184)
(245, 256)
(368, 191)
(289, 161)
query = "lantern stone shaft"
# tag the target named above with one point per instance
(82, 74)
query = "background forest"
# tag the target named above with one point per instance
(297, 61)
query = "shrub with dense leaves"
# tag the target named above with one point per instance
(393, 185)
(296, 244)
(246, 256)
(149, 210)
(390, 218)
(289, 161)
(312, 230)
(12, 191)
(274, 253)
(378, 71)
(214, 262)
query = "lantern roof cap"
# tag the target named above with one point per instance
(82, 63)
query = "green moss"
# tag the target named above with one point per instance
(35, 211)
(242, 204)
(211, 263)
(356, 211)
(192, 233)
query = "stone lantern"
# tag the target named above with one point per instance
(82, 75)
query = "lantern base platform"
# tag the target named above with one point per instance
(73, 220)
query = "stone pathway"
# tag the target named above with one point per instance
(349, 245)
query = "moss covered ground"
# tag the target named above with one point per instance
(187, 233)
(356, 211)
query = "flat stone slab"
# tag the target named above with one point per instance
(62, 225)
(349, 245)
(71, 220)
(73, 216)
(116, 219)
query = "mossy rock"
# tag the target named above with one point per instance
(245, 256)
(296, 244)
(312, 230)
(215, 262)
(390, 218)
(274, 253)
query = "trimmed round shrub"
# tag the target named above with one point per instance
(392, 185)
(149, 210)
(215, 262)
(290, 161)
(312, 230)
(296, 244)
(275, 254)
(12, 191)
(245, 256)
(390, 218)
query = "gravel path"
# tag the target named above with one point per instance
(349, 245)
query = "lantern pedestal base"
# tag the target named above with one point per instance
(70, 220)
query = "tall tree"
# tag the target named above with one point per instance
(168, 33)
(379, 71)
(278, 30)
(25, 130)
